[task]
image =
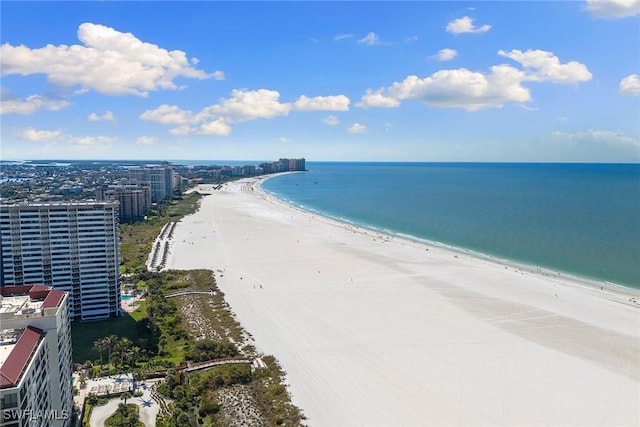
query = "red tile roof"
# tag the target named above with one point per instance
(34, 291)
(7, 291)
(38, 291)
(53, 299)
(18, 359)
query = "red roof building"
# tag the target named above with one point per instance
(35, 355)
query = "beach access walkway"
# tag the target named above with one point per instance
(177, 294)
(160, 252)
(211, 363)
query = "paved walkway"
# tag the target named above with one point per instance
(149, 409)
(177, 294)
(210, 364)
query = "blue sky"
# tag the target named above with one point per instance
(399, 81)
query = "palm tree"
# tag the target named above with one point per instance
(132, 355)
(137, 376)
(111, 341)
(100, 346)
(123, 346)
(124, 396)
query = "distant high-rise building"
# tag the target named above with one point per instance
(160, 179)
(70, 246)
(283, 165)
(298, 164)
(266, 167)
(35, 357)
(286, 165)
(134, 199)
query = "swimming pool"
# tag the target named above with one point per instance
(126, 297)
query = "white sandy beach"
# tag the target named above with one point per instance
(373, 330)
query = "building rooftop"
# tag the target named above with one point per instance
(60, 204)
(18, 343)
(20, 346)
(19, 305)
(21, 302)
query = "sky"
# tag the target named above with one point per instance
(509, 81)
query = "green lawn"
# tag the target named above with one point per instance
(84, 334)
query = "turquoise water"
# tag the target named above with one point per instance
(582, 219)
(125, 297)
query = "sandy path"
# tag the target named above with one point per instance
(380, 331)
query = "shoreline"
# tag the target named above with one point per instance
(593, 284)
(373, 329)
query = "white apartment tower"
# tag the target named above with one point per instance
(134, 199)
(72, 247)
(160, 178)
(35, 357)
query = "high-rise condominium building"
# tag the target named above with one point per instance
(35, 357)
(160, 178)
(135, 199)
(70, 246)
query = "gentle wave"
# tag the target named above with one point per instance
(577, 219)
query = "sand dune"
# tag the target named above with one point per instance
(376, 330)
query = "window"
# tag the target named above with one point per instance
(9, 401)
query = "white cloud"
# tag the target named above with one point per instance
(31, 104)
(445, 54)
(34, 135)
(181, 130)
(109, 62)
(357, 128)
(331, 120)
(243, 105)
(547, 66)
(146, 140)
(461, 88)
(168, 115)
(91, 141)
(613, 9)
(247, 105)
(218, 75)
(339, 37)
(215, 127)
(600, 137)
(377, 99)
(59, 137)
(370, 39)
(107, 116)
(320, 103)
(472, 90)
(630, 85)
(284, 139)
(411, 39)
(465, 25)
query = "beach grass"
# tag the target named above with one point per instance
(209, 317)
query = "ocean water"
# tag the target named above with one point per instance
(580, 219)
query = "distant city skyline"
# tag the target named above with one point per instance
(555, 81)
